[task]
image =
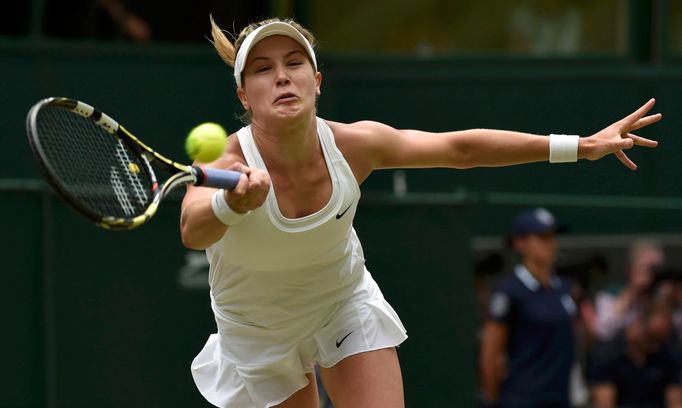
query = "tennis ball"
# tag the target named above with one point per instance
(206, 142)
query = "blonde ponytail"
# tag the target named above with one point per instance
(228, 51)
(225, 48)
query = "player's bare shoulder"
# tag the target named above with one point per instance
(358, 142)
(357, 135)
(343, 130)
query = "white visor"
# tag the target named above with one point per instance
(275, 28)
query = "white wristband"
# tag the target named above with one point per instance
(563, 148)
(223, 211)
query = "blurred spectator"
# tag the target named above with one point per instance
(638, 369)
(117, 19)
(149, 20)
(100, 19)
(546, 27)
(614, 308)
(668, 295)
(527, 343)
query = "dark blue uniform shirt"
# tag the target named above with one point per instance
(540, 342)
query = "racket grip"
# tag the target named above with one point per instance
(215, 178)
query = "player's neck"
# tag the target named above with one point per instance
(287, 145)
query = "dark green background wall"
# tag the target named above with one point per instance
(98, 318)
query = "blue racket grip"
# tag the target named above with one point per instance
(215, 178)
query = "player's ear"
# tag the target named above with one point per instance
(242, 98)
(318, 83)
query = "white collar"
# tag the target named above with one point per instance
(529, 280)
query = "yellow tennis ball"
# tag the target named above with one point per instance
(206, 142)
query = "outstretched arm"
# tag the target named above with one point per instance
(372, 145)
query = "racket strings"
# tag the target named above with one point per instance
(129, 178)
(94, 166)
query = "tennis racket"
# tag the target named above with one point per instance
(101, 169)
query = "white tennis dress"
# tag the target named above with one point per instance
(289, 293)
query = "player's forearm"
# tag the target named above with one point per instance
(492, 148)
(199, 226)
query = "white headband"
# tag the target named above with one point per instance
(275, 28)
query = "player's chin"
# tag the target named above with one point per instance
(291, 111)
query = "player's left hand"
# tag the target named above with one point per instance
(618, 137)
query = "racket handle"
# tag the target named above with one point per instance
(215, 178)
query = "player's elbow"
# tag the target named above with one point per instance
(190, 236)
(461, 156)
(467, 151)
(191, 240)
(201, 235)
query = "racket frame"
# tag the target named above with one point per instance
(181, 174)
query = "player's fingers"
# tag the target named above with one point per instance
(242, 186)
(625, 143)
(240, 167)
(625, 160)
(632, 118)
(259, 186)
(646, 121)
(640, 141)
(260, 180)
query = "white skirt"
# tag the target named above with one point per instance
(261, 369)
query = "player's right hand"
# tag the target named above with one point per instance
(251, 190)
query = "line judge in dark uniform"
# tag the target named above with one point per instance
(527, 344)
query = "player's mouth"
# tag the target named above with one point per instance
(285, 98)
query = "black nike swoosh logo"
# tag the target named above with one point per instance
(344, 211)
(338, 342)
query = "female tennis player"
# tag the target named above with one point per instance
(289, 287)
